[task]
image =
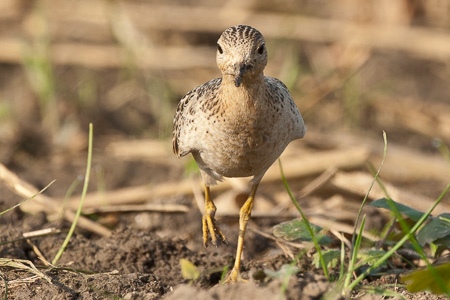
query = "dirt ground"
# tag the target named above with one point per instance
(138, 264)
(141, 259)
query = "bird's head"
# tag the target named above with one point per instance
(241, 53)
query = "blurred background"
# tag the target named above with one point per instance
(354, 68)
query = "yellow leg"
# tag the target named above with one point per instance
(209, 222)
(244, 216)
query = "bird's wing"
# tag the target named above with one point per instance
(186, 112)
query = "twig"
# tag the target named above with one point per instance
(38, 252)
(310, 187)
(41, 232)
(339, 226)
(163, 208)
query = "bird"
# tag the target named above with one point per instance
(237, 125)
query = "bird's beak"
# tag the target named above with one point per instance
(239, 73)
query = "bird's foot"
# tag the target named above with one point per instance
(210, 225)
(234, 277)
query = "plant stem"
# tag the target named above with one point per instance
(308, 226)
(83, 196)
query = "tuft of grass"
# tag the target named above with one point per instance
(83, 196)
(305, 220)
(408, 236)
(17, 263)
(21, 264)
(374, 258)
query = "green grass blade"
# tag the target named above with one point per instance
(70, 191)
(83, 196)
(308, 226)
(351, 266)
(224, 274)
(341, 271)
(347, 287)
(399, 243)
(23, 201)
(370, 188)
(417, 248)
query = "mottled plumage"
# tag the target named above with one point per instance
(237, 125)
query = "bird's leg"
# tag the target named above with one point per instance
(209, 222)
(244, 216)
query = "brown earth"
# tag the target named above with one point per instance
(142, 261)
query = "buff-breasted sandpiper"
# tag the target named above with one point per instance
(237, 125)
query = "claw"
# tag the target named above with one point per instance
(210, 226)
(209, 223)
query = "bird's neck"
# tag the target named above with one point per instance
(248, 92)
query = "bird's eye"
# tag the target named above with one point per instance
(261, 49)
(219, 49)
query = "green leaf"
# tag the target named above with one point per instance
(388, 204)
(296, 230)
(423, 280)
(443, 242)
(283, 272)
(371, 256)
(188, 270)
(331, 258)
(437, 228)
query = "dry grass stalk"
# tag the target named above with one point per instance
(279, 240)
(402, 163)
(82, 19)
(110, 56)
(45, 203)
(317, 163)
(427, 118)
(23, 265)
(419, 41)
(309, 188)
(38, 253)
(149, 207)
(41, 232)
(326, 223)
(296, 168)
(358, 183)
(147, 150)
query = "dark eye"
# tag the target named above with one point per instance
(219, 49)
(261, 49)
